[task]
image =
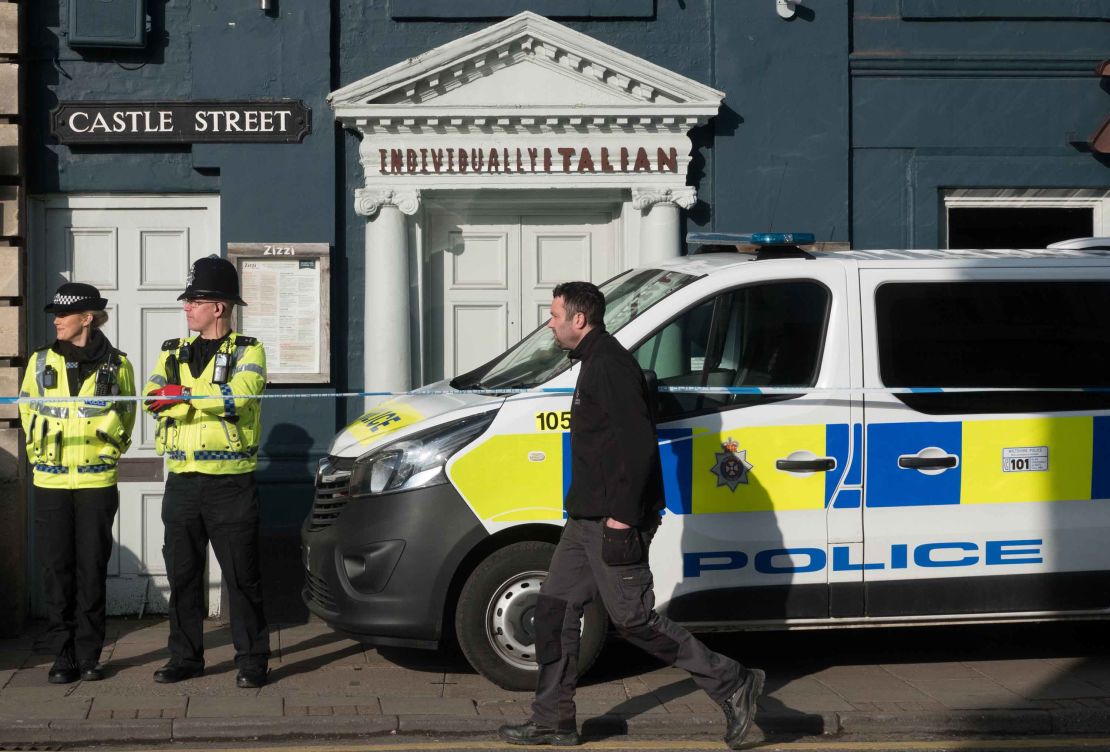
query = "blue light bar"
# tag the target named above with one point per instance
(751, 238)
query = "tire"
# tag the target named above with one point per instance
(493, 619)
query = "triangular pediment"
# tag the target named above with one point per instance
(526, 64)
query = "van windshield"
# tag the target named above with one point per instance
(536, 359)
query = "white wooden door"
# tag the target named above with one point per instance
(138, 251)
(491, 276)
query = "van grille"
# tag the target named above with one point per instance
(319, 591)
(333, 485)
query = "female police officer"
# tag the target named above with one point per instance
(73, 447)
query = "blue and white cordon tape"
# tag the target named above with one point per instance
(543, 391)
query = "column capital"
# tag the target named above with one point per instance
(645, 198)
(369, 200)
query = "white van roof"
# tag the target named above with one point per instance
(705, 263)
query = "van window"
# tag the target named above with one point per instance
(760, 335)
(995, 334)
(536, 359)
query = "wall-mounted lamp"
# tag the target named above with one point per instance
(785, 8)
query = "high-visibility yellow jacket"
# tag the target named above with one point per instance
(75, 445)
(217, 436)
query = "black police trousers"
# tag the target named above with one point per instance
(73, 541)
(578, 575)
(198, 508)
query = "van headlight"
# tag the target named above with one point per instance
(417, 461)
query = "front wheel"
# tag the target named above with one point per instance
(494, 618)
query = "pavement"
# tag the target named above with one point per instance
(322, 685)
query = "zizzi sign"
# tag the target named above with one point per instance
(504, 160)
(282, 121)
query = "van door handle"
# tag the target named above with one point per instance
(818, 465)
(913, 462)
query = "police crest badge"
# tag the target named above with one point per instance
(732, 465)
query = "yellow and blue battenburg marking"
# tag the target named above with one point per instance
(689, 457)
(533, 472)
(1073, 461)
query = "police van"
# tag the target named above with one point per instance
(847, 439)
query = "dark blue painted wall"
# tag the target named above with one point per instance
(268, 192)
(848, 121)
(954, 96)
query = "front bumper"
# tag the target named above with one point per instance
(379, 568)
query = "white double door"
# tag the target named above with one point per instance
(137, 250)
(491, 276)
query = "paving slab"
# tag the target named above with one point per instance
(428, 706)
(306, 700)
(25, 709)
(237, 707)
(142, 702)
(858, 684)
(479, 688)
(913, 671)
(972, 694)
(804, 695)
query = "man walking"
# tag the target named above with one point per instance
(613, 509)
(211, 446)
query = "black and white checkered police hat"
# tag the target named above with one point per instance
(76, 296)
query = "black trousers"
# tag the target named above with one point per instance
(578, 575)
(198, 508)
(73, 538)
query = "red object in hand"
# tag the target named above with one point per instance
(170, 395)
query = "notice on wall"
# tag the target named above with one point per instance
(285, 289)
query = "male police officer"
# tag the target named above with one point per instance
(613, 506)
(211, 446)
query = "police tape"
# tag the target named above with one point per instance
(544, 391)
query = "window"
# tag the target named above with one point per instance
(1022, 217)
(982, 227)
(536, 359)
(762, 335)
(995, 334)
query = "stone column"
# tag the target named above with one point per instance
(386, 335)
(659, 232)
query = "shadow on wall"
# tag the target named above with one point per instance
(285, 476)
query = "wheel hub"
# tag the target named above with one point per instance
(510, 619)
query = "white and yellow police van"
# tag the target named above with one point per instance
(847, 439)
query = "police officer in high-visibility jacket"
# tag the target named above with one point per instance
(73, 448)
(211, 447)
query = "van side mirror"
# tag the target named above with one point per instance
(652, 393)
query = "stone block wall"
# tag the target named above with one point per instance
(13, 345)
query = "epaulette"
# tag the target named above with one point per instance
(244, 341)
(171, 344)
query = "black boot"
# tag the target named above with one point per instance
(64, 670)
(91, 672)
(532, 733)
(174, 672)
(740, 707)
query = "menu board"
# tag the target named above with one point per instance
(285, 287)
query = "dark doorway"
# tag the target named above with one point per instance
(1033, 227)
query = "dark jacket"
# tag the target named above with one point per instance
(615, 470)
